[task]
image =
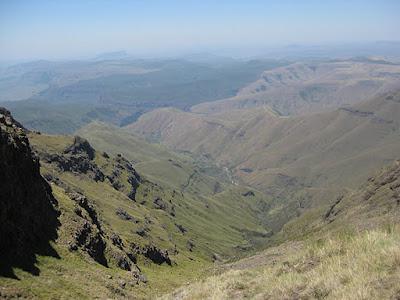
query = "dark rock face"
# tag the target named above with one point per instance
(88, 235)
(190, 245)
(332, 212)
(142, 231)
(151, 252)
(123, 214)
(159, 203)
(80, 147)
(83, 202)
(122, 164)
(180, 227)
(216, 258)
(156, 255)
(28, 214)
(89, 238)
(248, 194)
(116, 240)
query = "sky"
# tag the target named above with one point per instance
(77, 28)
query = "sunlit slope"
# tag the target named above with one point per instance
(301, 160)
(349, 251)
(309, 87)
(171, 219)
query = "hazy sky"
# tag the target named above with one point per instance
(61, 29)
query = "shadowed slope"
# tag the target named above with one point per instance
(27, 207)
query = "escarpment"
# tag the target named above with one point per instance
(28, 210)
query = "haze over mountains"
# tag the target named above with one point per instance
(195, 150)
(61, 97)
(163, 172)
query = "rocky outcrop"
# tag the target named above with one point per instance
(181, 228)
(77, 158)
(89, 238)
(120, 166)
(84, 203)
(124, 215)
(156, 255)
(88, 234)
(159, 203)
(152, 253)
(80, 147)
(28, 214)
(248, 194)
(378, 198)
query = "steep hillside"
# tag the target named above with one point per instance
(28, 210)
(304, 159)
(128, 223)
(351, 251)
(303, 88)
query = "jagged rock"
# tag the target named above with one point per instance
(123, 261)
(120, 212)
(77, 163)
(88, 235)
(72, 246)
(138, 276)
(142, 231)
(132, 257)
(248, 194)
(117, 185)
(216, 258)
(156, 255)
(28, 210)
(332, 212)
(143, 278)
(159, 203)
(105, 155)
(122, 284)
(7, 119)
(81, 146)
(182, 229)
(83, 202)
(77, 158)
(151, 252)
(115, 178)
(89, 238)
(78, 212)
(190, 245)
(50, 178)
(172, 211)
(54, 179)
(116, 240)
(217, 188)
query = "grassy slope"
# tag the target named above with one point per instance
(351, 251)
(365, 266)
(218, 221)
(196, 178)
